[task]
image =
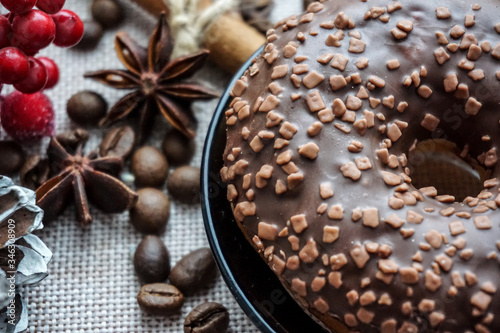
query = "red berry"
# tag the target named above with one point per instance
(26, 49)
(33, 30)
(69, 28)
(14, 65)
(35, 80)
(18, 6)
(52, 72)
(50, 6)
(27, 117)
(5, 30)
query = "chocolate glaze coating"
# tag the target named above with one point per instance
(408, 264)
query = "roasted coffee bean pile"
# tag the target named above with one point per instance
(164, 288)
(194, 272)
(159, 172)
(197, 269)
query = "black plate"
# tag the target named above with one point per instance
(253, 284)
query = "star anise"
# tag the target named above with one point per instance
(157, 82)
(79, 176)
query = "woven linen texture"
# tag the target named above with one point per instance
(92, 286)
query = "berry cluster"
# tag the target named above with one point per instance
(24, 31)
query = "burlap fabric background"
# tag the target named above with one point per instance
(92, 286)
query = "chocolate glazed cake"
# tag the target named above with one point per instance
(361, 162)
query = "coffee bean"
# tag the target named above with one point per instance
(109, 13)
(178, 149)
(86, 108)
(34, 172)
(194, 271)
(160, 299)
(71, 139)
(208, 317)
(12, 157)
(92, 34)
(184, 184)
(151, 212)
(151, 260)
(119, 141)
(149, 167)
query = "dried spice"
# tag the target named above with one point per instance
(87, 178)
(20, 251)
(156, 80)
(71, 139)
(34, 172)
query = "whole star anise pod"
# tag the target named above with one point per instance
(85, 178)
(157, 82)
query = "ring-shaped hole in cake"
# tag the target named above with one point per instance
(443, 165)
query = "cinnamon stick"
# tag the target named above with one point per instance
(231, 42)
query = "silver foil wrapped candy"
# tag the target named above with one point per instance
(23, 256)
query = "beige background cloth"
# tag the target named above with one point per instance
(92, 286)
